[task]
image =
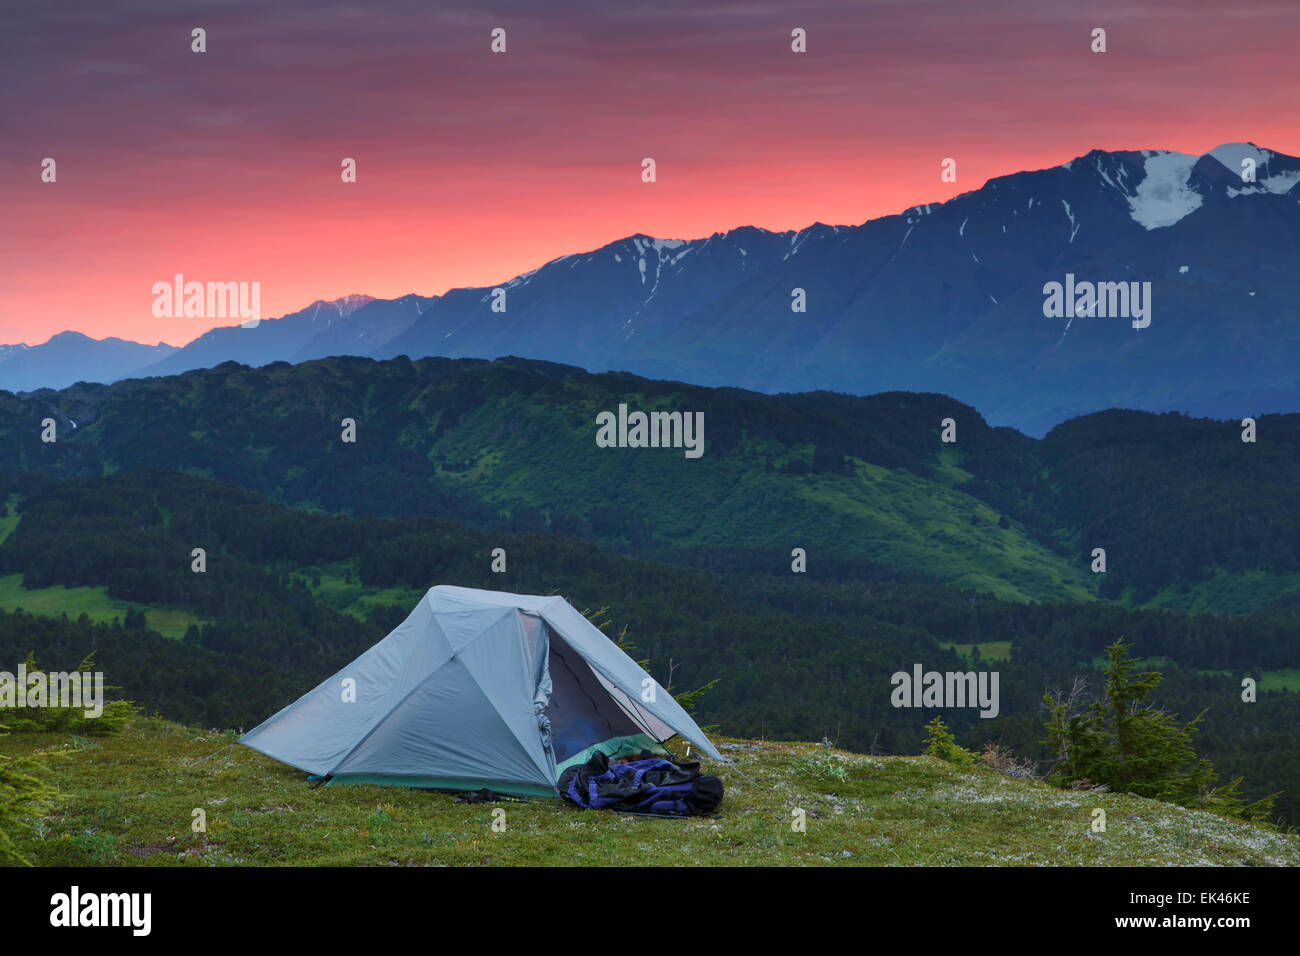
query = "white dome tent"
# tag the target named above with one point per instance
(477, 689)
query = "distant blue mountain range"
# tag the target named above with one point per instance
(944, 297)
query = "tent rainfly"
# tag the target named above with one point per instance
(477, 689)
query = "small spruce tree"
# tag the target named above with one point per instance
(24, 797)
(939, 742)
(1129, 744)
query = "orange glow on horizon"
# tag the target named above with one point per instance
(225, 166)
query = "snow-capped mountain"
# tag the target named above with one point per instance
(945, 297)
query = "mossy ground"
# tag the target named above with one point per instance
(130, 800)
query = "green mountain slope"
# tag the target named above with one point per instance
(1175, 502)
(831, 474)
(760, 492)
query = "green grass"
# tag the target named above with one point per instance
(130, 801)
(949, 469)
(989, 650)
(355, 599)
(1287, 679)
(94, 602)
(899, 519)
(1241, 592)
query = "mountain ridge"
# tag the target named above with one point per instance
(944, 297)
(512, 443)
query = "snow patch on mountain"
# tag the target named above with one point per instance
(344, 306)
(1231, 155)
(1074, 226)
(1163, 197)
(350, 303)
(798, 239)
(1105, 175)
(1279, 183)
(521, 279)
(685, 250)
(644, 244)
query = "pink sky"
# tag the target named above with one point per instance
(474, 167)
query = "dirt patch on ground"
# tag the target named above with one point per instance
(149, 849)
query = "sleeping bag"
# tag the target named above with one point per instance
(651, 785)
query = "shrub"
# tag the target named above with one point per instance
(24, 799)
(939, 742)
(1001, 760)
(51, 719)
(824, 764)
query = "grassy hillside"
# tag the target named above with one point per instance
(1230, 593)
(1189, 515)
(513, 443)
(763, 493)
(94, 602)
(130, 801)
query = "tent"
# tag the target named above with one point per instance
(477, 689)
